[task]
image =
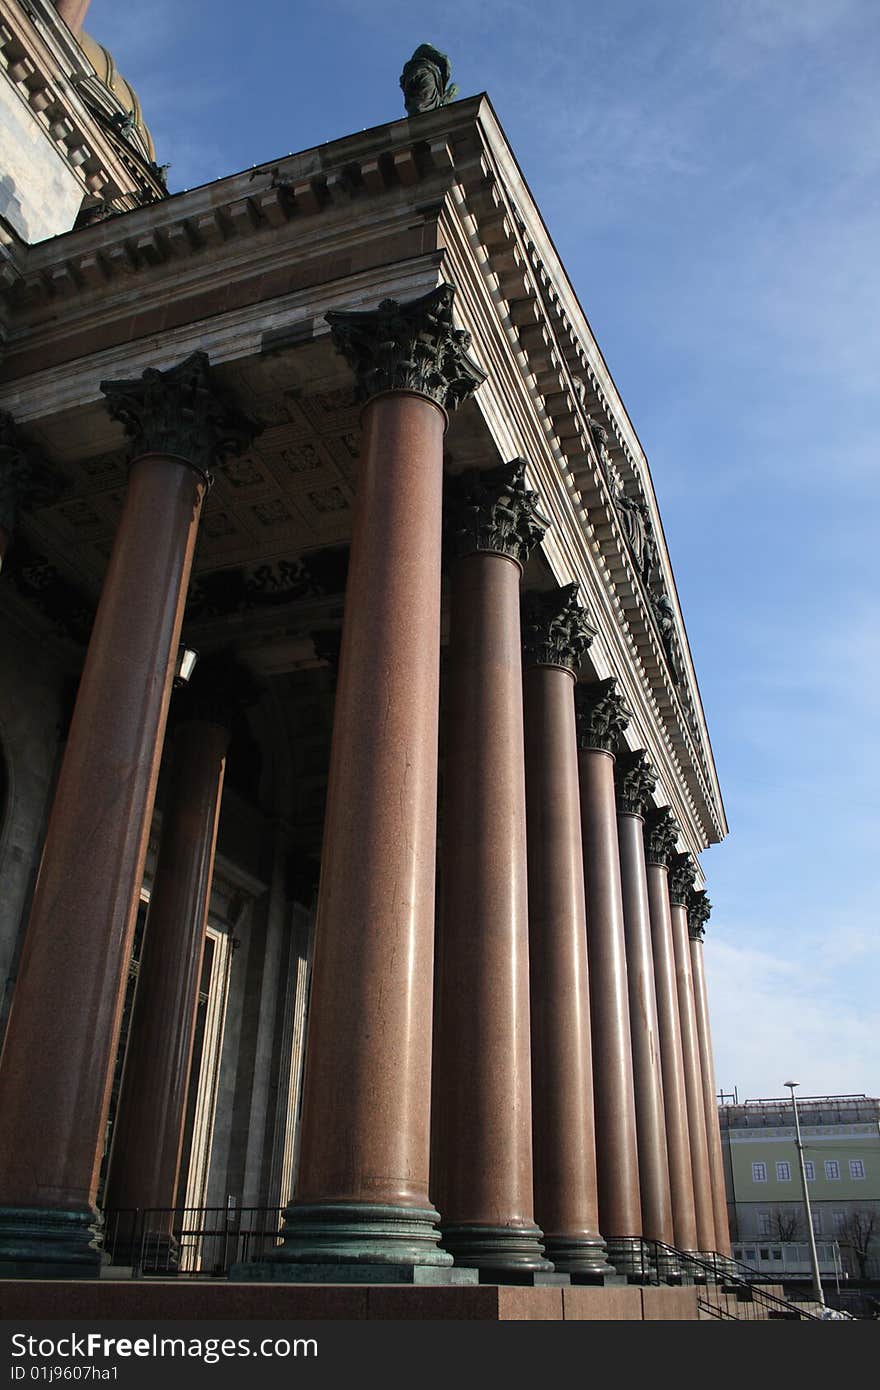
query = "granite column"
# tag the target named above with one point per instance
(555, 635)
(635, 782)
(661, 833)
(698, 911)
(482, 1095)
(56, 1068)
(681, 881)
(601, 718)
(362, 1194)
(148, 1133)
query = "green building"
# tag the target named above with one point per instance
(841, 1138)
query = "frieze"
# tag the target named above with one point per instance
(661, 836)
(555, 628)
(245, 589)
(410, 346)
(634, 782)
(493, 510)
(179, 412)
(602, 715)
(682, 873)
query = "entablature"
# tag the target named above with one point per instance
(246, 267)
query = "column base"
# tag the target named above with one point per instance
(333, 1234)
(497, 1249)
(579, 1256)
(668, 1265)
(632, 1257)
(47, 1243)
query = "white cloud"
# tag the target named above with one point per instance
(774, 1018)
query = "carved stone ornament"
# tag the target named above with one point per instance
(602, 715)
(664, 616)
(179, 413)
(682, 873)
(408, 347)
(555, 629)
(493, 510)
(699, 911)
(661, 834)
(634, 782)
(425, 80)
(25, 478)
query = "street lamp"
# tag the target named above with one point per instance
(814, 1259)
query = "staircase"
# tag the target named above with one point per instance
(727, 1288)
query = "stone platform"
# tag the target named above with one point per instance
(157, 1299)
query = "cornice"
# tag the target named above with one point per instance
(561, 353)
(345, 176)
(539, 308)
(515, 415)
(44, 65)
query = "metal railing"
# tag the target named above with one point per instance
(727, 1291)
(205, 1242)
(194, 1242)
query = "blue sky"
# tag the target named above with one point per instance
(709, 171)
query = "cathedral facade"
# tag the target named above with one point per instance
(373, 943)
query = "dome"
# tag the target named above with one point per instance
(103, 62)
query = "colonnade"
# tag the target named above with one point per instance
(560, 1107)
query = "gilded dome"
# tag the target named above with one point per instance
(103, 62)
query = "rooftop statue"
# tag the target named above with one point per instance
(425, 80)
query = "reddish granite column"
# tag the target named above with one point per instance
(698, 910)
(555, 636)
(482, 1095)
(56, 1067)
(362, 1191)
(148, 1133)
(681, 880)
(661, 833)
(602, 717)
(635, 783)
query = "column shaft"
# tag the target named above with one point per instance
(616, 1144)
(710, 1104)
(366, 1106)
(483, 1118)
(656, 1198)
(693, 1081)
(566, 1191)
(681, 1180)
(152, 1105)
(56, 1072)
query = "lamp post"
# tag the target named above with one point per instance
(814, 1259)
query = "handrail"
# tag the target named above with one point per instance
(718, 1269)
